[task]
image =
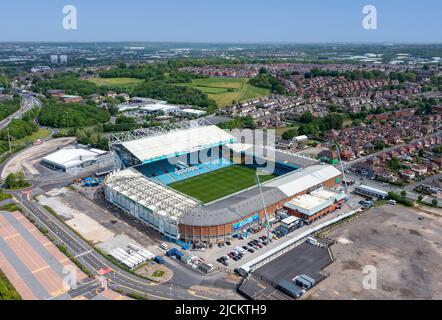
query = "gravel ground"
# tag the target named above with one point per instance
(404, 248)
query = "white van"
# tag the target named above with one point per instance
(164, 246)
(392, 202)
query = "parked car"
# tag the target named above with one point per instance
(225, 263)
(228, 243)
(251, 250)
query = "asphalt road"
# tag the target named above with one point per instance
(27, 103)
(117, 278)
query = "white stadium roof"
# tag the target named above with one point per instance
(177, 142)
(304, 179)
(154, 196)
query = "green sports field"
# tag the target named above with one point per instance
(226, 90)
(116, 82)
(219, 184)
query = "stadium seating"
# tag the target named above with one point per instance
(166, 173)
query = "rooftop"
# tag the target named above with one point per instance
(176, 143)
(70, 157)
(153, 196)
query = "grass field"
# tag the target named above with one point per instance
(219, 184)
(226, 90)
(40, 134)
(116, 82)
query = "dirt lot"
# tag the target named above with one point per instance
(93, 222)
(405, 250)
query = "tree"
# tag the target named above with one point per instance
(16, 180)
(434, 202)
(21, 178)
(420, 198)
(307, 117)
(403, 193)
(290, 134)
(263, 70)
(10, 180)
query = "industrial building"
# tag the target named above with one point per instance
(371, 192)
(315, 205)
(71, 99)
(72, 160)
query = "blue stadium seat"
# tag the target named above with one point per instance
(165, 172)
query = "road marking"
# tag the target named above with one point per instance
(15, 235)
(41, 269)
(141, 292)
(59, 292)
(83, 254)
(193, 293)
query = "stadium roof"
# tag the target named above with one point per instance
(233, 208)
(304, 179)
(272, 154)
(154, 144)
(245, 203)
(151, 195)
(177, 143)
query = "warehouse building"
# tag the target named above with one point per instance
(315, 205)
(72, 160)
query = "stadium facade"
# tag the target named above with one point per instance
(149, 161)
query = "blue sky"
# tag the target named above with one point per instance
(297, 21)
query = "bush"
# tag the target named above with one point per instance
(7, 291)
(11, 207)
(174, 94)
(399, 199)
(16, 181)
(19, 129)
(4, 196)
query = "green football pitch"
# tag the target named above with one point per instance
(219, 184)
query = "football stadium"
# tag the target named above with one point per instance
(195, 183)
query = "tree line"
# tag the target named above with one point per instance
(58, 115)
(266, 80)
